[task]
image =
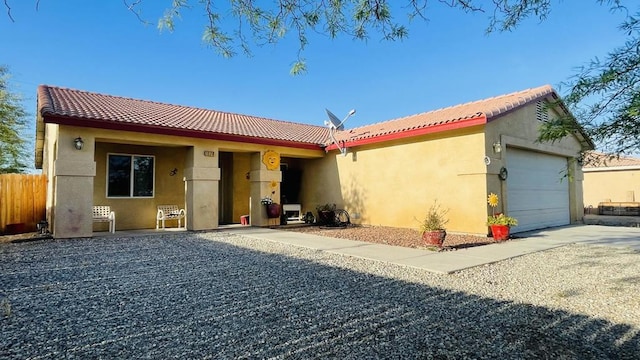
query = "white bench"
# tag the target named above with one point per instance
(103, 213)
(296, 209)
(169, 212)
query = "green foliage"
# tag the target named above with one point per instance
(268, 22)
(326, 207)
(605, 97)
(501, 219)
(12, 125)
(436, 218)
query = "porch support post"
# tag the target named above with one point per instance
(73, 173)
(202, 176)
(576, 195)
(260, 187)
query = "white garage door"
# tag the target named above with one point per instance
(537, 193)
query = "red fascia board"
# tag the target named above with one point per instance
(149, 129)
(460, 124)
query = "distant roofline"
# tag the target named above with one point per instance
(611, 168)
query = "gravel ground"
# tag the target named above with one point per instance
(392, 236)
(215, 295)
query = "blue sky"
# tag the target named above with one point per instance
(448, 60)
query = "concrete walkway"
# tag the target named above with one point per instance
(447, 262)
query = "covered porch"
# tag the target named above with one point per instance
(216, 182)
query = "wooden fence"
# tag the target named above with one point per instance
(23, 201)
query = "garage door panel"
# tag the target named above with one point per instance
(537, 195)
(535, 199)
(542, 217)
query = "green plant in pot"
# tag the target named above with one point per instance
(432, 228)
(499, 223)
(326, 214)
(273, 208)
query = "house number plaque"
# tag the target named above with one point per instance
(209, 153)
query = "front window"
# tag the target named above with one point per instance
(130, 175)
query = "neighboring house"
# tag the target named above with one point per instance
(610, 179)
(140, 154)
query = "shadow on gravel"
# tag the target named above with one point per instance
(188, 297)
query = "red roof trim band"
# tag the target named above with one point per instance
(93, 123)
(480, 120)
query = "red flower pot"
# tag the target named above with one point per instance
(434, 238)
(500, 232)
(273, 211)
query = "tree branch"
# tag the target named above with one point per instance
(131, 7)
(6, 5)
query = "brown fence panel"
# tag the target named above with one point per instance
(23, 200)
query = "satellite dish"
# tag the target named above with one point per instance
(335, 124)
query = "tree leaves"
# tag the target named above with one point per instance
(12, 125)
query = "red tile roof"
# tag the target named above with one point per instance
(595, 160)
(81, 108)
(473, 113)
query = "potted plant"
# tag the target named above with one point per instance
(273, 209)
(326, 214)
(499, 223)
(432, 227)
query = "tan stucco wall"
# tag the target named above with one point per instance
(519, 129)
(395, 184)
(72, 174)
(50, 142)
(611, 185)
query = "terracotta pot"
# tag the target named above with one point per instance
(273, 211)
(500, 232)
(434, 238)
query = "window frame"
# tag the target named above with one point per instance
(131, 176)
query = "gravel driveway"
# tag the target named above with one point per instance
(215, 295)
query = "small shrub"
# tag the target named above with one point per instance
(436, 218)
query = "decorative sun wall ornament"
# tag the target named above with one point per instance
(492, 200)
(271, 159)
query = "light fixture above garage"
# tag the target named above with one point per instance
(497, 147)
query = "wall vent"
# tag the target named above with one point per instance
(542, 111)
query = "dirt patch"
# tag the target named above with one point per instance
(393, 236)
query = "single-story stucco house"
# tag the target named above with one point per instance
(610, 179)
(139, 154)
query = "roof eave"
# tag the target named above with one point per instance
(460, 124)
(102, 124)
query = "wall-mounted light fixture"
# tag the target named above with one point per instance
(78, 143)
(497, 147)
